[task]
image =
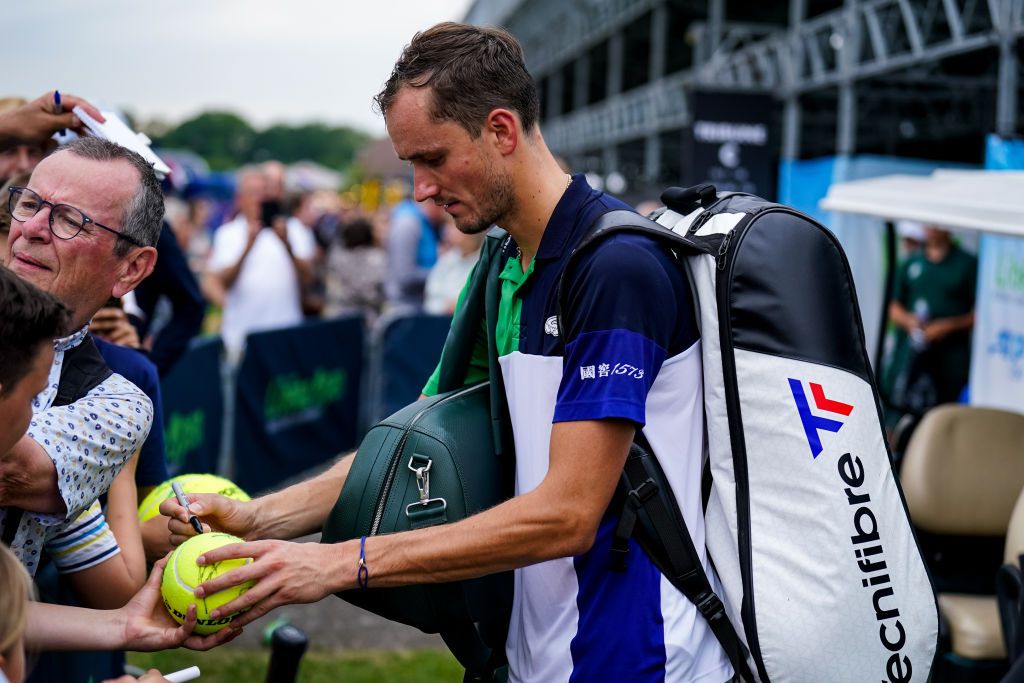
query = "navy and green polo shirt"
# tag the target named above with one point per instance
(627, 348)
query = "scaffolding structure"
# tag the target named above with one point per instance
(907, 77)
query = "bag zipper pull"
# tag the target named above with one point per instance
(697, 223)
(723, 249)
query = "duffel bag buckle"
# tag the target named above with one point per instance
(422, 477)
(424, 504)
(422, 473)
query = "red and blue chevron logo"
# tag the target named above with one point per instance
(813, 424)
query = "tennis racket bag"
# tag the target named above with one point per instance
(822, 578)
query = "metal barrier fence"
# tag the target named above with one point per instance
(298, 397)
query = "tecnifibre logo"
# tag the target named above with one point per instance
(813, 423)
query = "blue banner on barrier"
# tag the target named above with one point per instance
(297, 400)
(997, 352)
(194, 409)
(407, 349)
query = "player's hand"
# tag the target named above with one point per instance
(216, 512)
(146, 625)
(286, 573)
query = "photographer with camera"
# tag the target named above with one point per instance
(260, 261)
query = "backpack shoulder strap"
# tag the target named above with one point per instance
(644, 490)
(651, 516)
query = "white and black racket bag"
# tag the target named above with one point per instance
(822, 578)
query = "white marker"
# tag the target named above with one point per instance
(184, 675)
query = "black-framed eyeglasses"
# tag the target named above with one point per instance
(65, 220)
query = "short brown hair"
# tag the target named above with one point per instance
(471, 71)
(31, 317)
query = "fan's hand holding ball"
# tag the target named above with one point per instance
(182, 575)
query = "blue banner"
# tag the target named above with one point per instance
(194, 409)
(997, 353)
(297, 400)
(406, 350)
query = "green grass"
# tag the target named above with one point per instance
(318, 666)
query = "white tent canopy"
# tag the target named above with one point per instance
(987, 201)
(990, 201)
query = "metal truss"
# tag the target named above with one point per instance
(862, 40)
(866, 44)
(652, 108)
(580, 24)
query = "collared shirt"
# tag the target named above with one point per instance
(88, 441)
(85, 543)
(627, 347)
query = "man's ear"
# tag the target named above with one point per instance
(133, 269)
(505, 129)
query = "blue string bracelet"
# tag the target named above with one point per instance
(363, 575)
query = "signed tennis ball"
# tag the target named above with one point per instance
(190, 483)
(182, 575)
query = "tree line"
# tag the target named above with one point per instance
(226, 141)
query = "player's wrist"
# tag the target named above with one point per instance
(253, 520)
(352, 565)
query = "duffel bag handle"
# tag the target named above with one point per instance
(683, 200)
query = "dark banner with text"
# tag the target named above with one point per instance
(406, 350)
(297, 400)
(194, 409)
(730, 143)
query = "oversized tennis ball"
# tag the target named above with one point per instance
(190, 483)
(182, 575)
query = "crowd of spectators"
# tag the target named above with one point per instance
(288, 254)
(79, 399)
(274, 255)
(118, 295)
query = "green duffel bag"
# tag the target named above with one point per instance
(437, 461)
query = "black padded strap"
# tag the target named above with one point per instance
(665, 538)
(83, 369)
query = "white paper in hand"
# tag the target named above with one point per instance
(115, 130)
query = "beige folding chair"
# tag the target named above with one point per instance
(962, 475)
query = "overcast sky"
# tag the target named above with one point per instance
(270, 61)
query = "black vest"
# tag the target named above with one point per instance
(83, 369)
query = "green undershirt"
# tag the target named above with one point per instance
(510, 307)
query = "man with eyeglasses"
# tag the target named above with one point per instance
(83, 229)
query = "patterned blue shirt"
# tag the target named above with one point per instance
(89, 441)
